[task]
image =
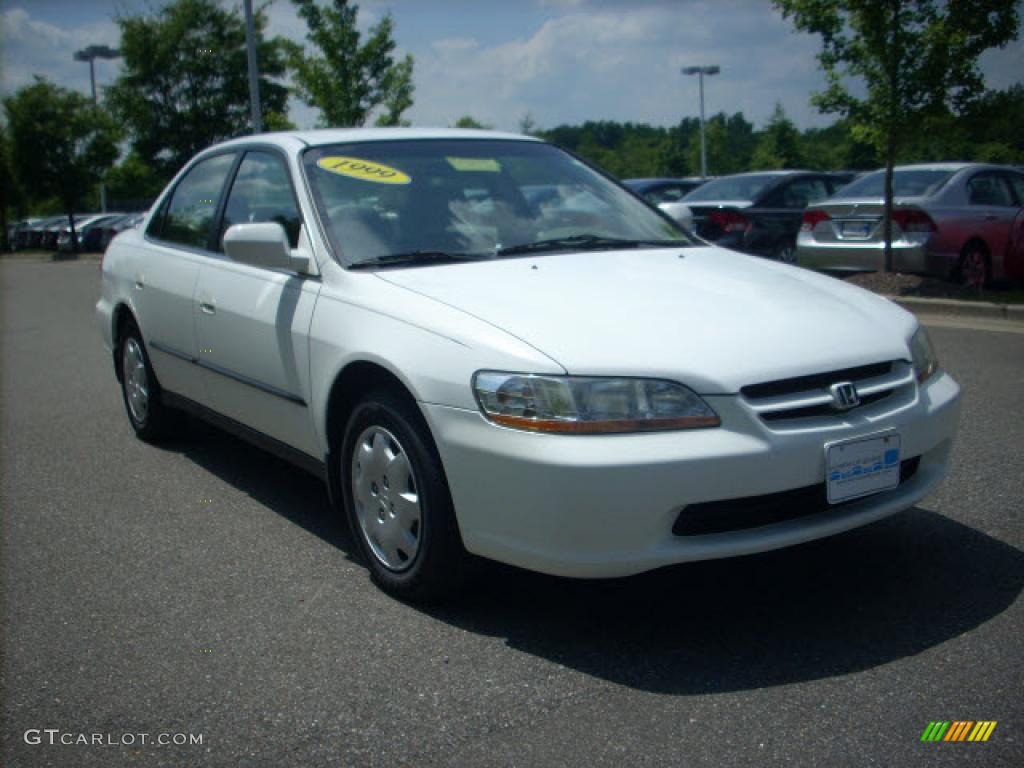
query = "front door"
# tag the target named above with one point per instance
(253, 323)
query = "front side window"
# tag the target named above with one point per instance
(262, 192)
(189, 214)
(474, 198)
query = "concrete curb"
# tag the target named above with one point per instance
(971, 309)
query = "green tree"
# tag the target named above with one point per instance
(9, 188)
(133, 179)
(730, 144)
(184, 82)
(468, 121)
(779, 145)
(527, 125)
(61, 141)
(915, 58)
(347, 80)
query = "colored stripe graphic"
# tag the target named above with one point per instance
(958, 730)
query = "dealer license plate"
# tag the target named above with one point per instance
(861, 467)
(856, 228)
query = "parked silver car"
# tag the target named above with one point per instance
(949, 219)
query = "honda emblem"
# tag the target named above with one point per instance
(844, 395)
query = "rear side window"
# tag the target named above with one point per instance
(1017, 184)
(189, 214)
(668, 193)
(989, 189)
(261, 192)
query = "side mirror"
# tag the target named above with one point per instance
(264, 244)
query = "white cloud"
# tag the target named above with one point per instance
(621, 62)
(31, 47)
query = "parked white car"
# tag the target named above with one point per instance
(585, 391)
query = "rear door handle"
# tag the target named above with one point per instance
(139, 284)
(208, 307)
(990, 217)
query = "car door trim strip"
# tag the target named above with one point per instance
(268, 388)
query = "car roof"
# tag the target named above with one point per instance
(325, 136)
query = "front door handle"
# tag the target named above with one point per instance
(208, 307)
(139, 284)
(991, 217)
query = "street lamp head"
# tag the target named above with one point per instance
(96, 52)
(712, 70)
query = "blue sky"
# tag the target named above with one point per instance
(563, 61)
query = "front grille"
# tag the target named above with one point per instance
(808, 396)
(757, 511)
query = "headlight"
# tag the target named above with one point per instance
(588, 405)
(922, 354)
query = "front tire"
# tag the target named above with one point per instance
(149, 417)
(397, 500)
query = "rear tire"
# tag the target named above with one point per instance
(397, 500)
(143, 399)
(975, 266)
(785, 252)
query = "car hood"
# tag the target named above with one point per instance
(714, 319)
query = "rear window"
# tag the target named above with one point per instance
(904, 183)
(745, 187)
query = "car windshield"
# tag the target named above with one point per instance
(906, 183)
(744, 187)
(472, 198)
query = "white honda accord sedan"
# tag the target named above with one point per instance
(483, 345)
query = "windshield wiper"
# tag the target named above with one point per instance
(586, 243)
(415, 257)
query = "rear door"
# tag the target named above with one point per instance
(253, 323)
(1015, 249)
(166, 269)
(992, 211)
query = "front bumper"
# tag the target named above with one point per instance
(603, 506)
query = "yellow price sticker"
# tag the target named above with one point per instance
(355, 168)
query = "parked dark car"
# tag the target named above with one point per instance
(658, 191)
(92, 233)
(756, 213)
(111, 229)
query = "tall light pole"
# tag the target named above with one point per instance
(90, 54)
(254, 74)
(700, 72)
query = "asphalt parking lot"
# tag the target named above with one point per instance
(206, 588)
